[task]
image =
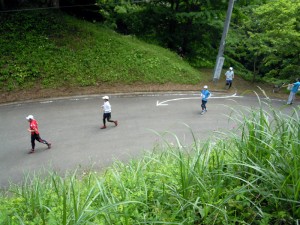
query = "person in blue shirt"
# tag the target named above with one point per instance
(295, 88)
(205, 94)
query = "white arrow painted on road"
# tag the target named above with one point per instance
(163, 103)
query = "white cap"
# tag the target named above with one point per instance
(205, 86)
(30, 117)
(230, 68)
(105, 97)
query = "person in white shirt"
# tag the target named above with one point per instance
(229, 77)
(107, 112)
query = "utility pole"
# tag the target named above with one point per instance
(220, 58)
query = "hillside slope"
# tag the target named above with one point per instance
(49, 54)
(46, 49)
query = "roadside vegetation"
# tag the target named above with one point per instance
(249, 175)
(49, 49)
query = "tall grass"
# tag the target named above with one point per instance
(251, 176)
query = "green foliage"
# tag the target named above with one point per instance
(185, 27)
(62, 51)
(266, 39)
(251, 176)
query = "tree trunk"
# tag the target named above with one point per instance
(2, 5)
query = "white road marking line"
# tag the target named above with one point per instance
(46, 102)
(163, 103)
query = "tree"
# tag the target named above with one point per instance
(191, 28)
(269, 39)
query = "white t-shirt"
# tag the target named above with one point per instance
(106, 107)
(229, 75)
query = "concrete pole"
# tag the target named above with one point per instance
(220, 58)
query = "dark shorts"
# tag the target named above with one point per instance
(106, 116)
(228, 82)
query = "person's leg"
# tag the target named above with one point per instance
(112, 121)
(33, 138)
(104, 120)
(32, 142)
(230, 83)
(291, 98)
(204, 105)
(39, 139)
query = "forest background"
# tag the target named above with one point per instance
(263, 43)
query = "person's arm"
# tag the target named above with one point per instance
(34, 129)
(209, 94)
(288, 85)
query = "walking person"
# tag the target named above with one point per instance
(229, 77)
(107, 112)
(35, 134)
(294, 89)
(205, 94)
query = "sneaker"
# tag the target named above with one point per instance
(103, 127)
(31, 151)
(116, 123)
(49, 145)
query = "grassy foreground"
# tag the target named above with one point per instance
(250, 176)
(49, 49)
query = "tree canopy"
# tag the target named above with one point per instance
(266, 39)
(263, 37)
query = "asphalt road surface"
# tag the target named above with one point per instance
(72, 125)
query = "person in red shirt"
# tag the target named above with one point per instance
(35, 135)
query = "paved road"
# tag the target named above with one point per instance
(72, 125)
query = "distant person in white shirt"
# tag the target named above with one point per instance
(229, 77)
(107, 112)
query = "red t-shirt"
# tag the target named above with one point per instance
(34, 126)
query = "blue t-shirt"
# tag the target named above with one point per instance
(205, 94)
(295, 87)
